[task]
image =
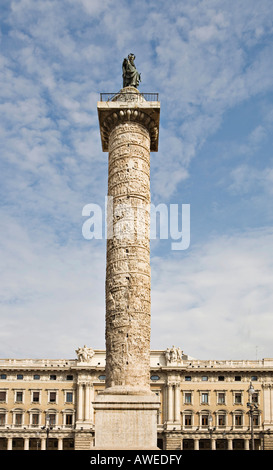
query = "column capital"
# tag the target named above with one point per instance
(122, 108)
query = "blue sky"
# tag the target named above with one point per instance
(212, 64)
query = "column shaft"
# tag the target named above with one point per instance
(26, 443)
(196, 444)
(230, 444)
(87, 402)
(128, 258)
(170, 403)
(177, 403)
(213, 444)
(60, 443)
(43, 443)
(80, 402)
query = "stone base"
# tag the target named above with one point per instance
(83, 441)
(126, 422)
(268, 442)
(173, 442)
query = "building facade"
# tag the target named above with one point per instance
(48, 404)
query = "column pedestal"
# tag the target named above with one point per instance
(126, 422)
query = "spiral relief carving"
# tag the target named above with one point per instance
(128, 253)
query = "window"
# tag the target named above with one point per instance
(69, 397)
(238, 420)
(53, 377)
(237, 378)
(2, 419)
(20, 376)
(103, 377)
(36, 377)
(204, 398)
(3, 396)
(3, 376)
(187, 397)
(188, 420)
(155, 377)
(36, 397)
(238, 398)
(188, 378)
(69, 377)
(52, 419)
(221, 398)
(18, 421)
(52, 397)
(19, 397)
(255, 419)
(221, 420)
(204, 378)
(35, 419)
(204, 420)
(68, 419)
(221, 378)
(254, 378)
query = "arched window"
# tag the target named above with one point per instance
(68, 418)
(188, 418)
(51, 417)
(204, 418)
(17, 417)
(34, 417)
(238, 418)
(221, 418)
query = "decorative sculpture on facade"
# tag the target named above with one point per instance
(173, 355)
(85, 354)
(131, 77)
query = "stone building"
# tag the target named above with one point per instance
(48, 404)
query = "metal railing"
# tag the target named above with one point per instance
(146, 96)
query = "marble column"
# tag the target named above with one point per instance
(43, 443)
(80, 402)
(60, 443)
(170, 402)
(126, 412)
(196, 444)
(9, 443)
(177, 403)
(230, 444)
(213, 443)
(87, 402)
(26, 443)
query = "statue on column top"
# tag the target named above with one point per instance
(131, 77)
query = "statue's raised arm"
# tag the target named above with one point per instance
(131, 77)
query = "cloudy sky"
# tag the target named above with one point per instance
(211, 61)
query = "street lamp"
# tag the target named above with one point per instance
(252, 406)
(47, 428)
(210, 428)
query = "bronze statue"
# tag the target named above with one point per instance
(131, 77)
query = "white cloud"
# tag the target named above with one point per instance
(216, 300)
(246, 179)
(52, 296)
